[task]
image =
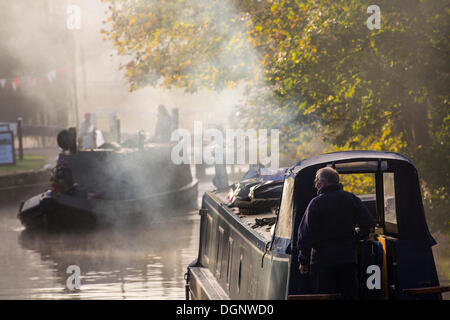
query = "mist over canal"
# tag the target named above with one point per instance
(138, 262)
(238, 69)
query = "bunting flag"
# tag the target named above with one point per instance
(15, 83)
(51, 76)
(33, 80)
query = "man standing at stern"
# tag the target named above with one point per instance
(327, 237)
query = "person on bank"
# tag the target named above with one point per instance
(327, 237)
(163, 129)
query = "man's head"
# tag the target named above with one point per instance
(325, 177)
(87, 116)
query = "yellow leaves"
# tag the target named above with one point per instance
(359, 183)
(258, 28)
(148, 49)
(213, 76)
(132, 21)
(310, 109)
(265, 61)
(189, 84)
(236, 41)
(230, 84)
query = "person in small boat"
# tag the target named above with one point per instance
(62, 178)
(163, 129)
(86, 134)
(327, 237)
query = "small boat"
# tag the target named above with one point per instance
(252, 254)
(106, 187)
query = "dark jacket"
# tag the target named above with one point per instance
(326, 234)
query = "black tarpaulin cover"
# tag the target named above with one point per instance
(409, 206)
(412, 226)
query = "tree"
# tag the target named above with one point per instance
(182, 43)
(316, 71)
(383, 89)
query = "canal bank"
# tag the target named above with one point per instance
(28, 177)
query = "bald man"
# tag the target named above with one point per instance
(327, 238)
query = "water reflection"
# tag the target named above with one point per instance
(139, 262)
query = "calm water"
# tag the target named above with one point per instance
(143, 262)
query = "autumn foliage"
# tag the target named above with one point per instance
(313, 69)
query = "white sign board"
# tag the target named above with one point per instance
(7, 148)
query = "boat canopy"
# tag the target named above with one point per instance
(299, 190)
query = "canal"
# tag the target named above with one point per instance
(139, 262)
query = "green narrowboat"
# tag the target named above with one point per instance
(240, 259)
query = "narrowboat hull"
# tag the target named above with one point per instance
(234, 263)
(51, 211)
(238, 259)
(104, 187)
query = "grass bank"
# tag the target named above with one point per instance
(29, 163)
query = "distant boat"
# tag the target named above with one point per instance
(248, 250)
(110, 187)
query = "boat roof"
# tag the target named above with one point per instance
(347, 156)
(299, 191)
